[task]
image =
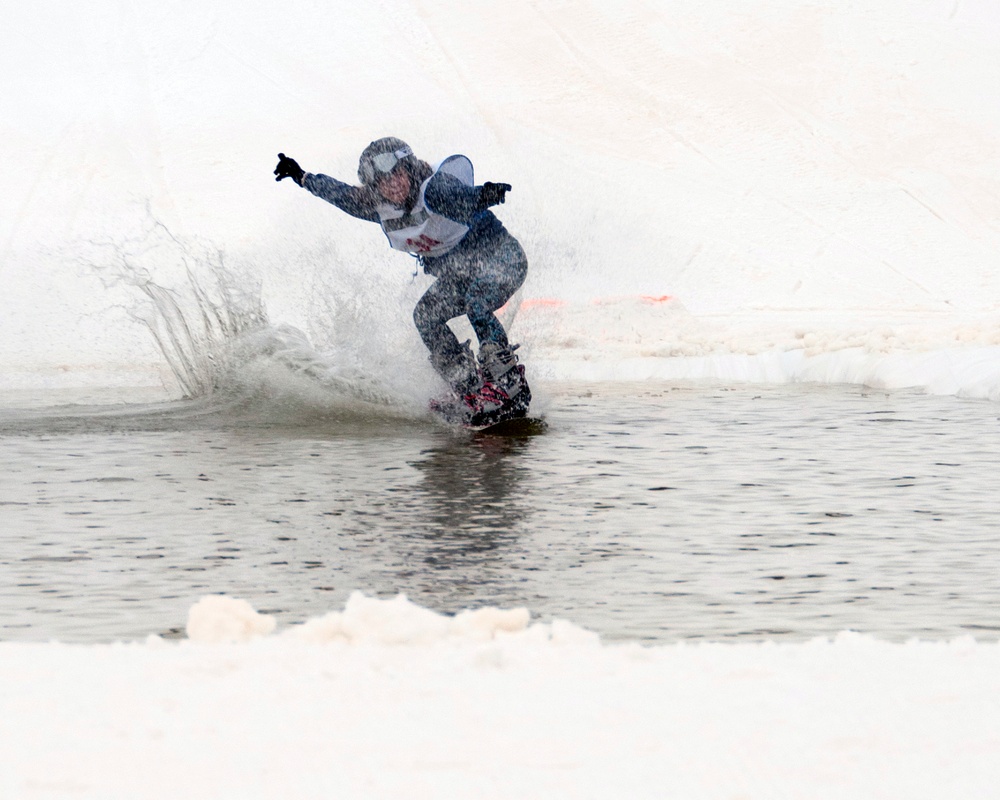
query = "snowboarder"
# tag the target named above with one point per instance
(438, 215)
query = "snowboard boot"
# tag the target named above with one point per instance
(486, 404)
(505, 393)
(461, 373)
(459, 370)
(499, 365)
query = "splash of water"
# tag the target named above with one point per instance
(207, 317)
(198, 305)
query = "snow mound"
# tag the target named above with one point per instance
(217, 618)
(369, 620)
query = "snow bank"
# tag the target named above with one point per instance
(642, 338)
(217, 618)
(386, 699)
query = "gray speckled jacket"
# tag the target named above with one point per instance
(444, 195)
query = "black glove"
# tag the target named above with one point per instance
(289, 168)
(492, 194)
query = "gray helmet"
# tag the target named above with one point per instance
(381, 157)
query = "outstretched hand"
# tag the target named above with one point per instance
(289, 168)
(493, 194)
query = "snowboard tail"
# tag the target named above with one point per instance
(515, 427)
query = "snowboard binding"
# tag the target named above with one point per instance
(501, 392)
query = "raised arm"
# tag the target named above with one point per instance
(354, 200)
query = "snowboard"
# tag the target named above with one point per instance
(515, 426)
(512, 421)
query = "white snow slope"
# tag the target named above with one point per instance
(809, 177)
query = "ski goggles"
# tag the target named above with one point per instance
(383, 164)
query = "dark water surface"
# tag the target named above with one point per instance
(643, 512)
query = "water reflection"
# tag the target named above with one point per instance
(470, 513)
(472, 486)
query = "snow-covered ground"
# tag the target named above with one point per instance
(763, 190)
(386, 699)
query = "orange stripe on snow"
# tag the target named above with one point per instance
(644, 298)
(546, 302)
(535, 302)
(551, 302)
